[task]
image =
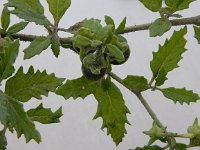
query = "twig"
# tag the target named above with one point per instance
(30, 38)
(175, 22)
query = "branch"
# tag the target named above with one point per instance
(175, 22)
(30, 38)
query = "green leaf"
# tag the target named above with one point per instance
(89, 61)
(12, 113)
(8, 55)
(93, 24)
(86, 32)
(81, 87)
(180, 95)
(95, 43)
(177, 5)
(194, 130)
(5, 18)
(168, 55)
(3, 142)
(121, 27)
(154, 147)
(161, 78)
(17, 27)
(37, 46)
(155, 133)
(58, 8)
(112, 109)
(2, 31)
(26, 86)
(159, 27)
(29, 10)
(110, 21)
(55, 45)
(115, 52)
(181, 146)
(153, 5)
(197, 33)
(81, 41)
(44, 115)
(105, 34)
(136, 83)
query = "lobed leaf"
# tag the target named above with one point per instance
(3, 142)
(8, 55)
(12, 113)
(37, 46)
(23, 87)
(159, 27)
(180, 95)
(58, 8)
(136, 83)
(112, 109)
(153, 5)
(168, 56)
(44, 115)
(81, 87)
(29, 10)
(197, 33)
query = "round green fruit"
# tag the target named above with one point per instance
(89, 75)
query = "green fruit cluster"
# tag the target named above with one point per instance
(99, 47)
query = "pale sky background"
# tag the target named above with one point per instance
(77, 130)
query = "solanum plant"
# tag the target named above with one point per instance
(99, 48)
